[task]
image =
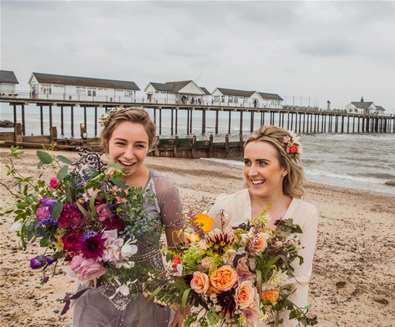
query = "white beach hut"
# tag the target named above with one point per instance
(8, 82)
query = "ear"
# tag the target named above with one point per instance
(284, 173)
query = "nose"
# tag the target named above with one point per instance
(129, 153)
(252, 171)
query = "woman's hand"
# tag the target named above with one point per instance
(179, 316)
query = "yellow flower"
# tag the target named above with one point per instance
(204, 221)
(192, 237)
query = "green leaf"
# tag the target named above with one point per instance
(92, 204)
(45, 157)
(82, 209)
(184, 298)
(57, 209)
(259, 281)
(118, 182)
(212, 317)
(64, 159)
(62, 173)
(15, 152)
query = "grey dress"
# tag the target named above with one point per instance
(95, 308)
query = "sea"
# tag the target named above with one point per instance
(363, 162)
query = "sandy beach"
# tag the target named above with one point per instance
(353, 281)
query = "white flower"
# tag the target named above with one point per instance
(128, 249)
(113, 245)
(124, 290)
(16, 226)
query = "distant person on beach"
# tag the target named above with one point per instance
(127, 136)
(273, 176)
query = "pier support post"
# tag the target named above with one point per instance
(187, 121)
(61, 120)
(176, 127)
(50, 117)
(23, 119)
(229, 122)
(203, 121)
(160, 121)
(190, 121)
(241, 122)
(171, 121)
(72, 120)
(216, 122)
(95, 120)
(251, 121)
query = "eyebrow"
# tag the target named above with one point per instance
(124, 140)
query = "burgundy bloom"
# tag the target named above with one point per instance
(93, 246)
(72, 241)
(114, 223)
(103, 212)
(70, 217)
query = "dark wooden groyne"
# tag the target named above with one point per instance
(300, 120)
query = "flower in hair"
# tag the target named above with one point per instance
(106, 117)
(292, 145)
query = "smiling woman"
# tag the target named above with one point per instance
(273, 175)
(127, 137)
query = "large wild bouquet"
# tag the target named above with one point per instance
(84, 217)
(232, 276)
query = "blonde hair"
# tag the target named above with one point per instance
(293, 181)
(132, 114)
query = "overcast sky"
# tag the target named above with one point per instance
(323, 50)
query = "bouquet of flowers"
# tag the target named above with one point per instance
(232, 276)
(85, 217)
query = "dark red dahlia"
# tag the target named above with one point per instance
(227, 302)
(72, 241)
(93, 245)
(114, 223)
(71, 217)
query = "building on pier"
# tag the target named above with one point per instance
(62, 87)
(242, 98)
(8, 82)
(177, 92)
(365, 107)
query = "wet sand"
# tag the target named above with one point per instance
(353, 279)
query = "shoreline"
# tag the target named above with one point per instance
(353, 270)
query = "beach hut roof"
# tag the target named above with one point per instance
(205, 90)
(362, 105)
(233, 92)
(380, 108)
(85, 81)
(8, 76)
(271, 96)
(172, 87)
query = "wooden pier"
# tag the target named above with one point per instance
(175, 144)
(300, 121)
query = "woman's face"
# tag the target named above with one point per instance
(262, 171)
(128, 146)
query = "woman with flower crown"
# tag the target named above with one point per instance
(273, 175)
(127, 136)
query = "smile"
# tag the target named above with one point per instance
(257, 182)
(127, 164)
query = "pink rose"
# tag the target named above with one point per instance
(86, 269)
(43, 213)
(243, 270)
(258, 243)
(199, 282)
(245, 294)
(103, 212)
(53, 182)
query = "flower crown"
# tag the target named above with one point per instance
(106, 117)
(292, 145)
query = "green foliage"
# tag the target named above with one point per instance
(62, 173)
(44, 157)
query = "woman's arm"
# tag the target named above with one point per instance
(170, 208)
(303, 272)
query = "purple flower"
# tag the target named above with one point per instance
(93, 246)
(50, 259)
(38, 262)
(47, 202)
(103, 212)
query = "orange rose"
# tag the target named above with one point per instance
(199, 282)
(271, 295)
(205, 222)
(223, 278)
(245, 294)
(258, 243)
